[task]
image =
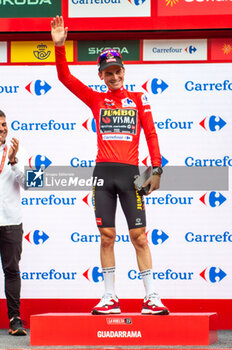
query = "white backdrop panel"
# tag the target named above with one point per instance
(54, 269)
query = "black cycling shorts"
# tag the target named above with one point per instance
(118, 182)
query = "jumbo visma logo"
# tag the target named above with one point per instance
(29, 8)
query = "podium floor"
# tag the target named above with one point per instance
(131, 329)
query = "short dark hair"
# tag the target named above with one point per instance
(2, 114)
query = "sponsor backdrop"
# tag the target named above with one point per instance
(189, 232)
(133, 51)
(116, 15)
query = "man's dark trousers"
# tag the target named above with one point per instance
(10, 251)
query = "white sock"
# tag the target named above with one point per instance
(148, 282)
(109, 279)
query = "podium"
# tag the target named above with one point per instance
(123, 330)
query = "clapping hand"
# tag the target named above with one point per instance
(13, 150)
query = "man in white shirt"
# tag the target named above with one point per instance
(11, 232)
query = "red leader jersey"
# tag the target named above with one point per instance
(119, 116)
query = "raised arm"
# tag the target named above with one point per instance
(59, 34)
(58, 31)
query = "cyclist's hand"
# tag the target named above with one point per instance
(154, 182)
(58, 31)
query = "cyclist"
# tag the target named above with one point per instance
(119, 116)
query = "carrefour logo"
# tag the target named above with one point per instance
(226, 85)
(36, 237)
(158, 236)
(190, 49)
(85, 2)
(82, 163)
(90, 124)
(50, 200)
(77, 237)
(155, 86)
(213, 199)
(213, 274)
(50, 125)
(38, 87)
(169, 124)
(136, 2)
(88, 199)
(52, 274)
(212, 123)
(168, 274)
(164, 161)
(208, 162)
(9, 89)
(34, 177)
(39, 161)
(192, 237)
(93, 274)
(104, 88)
(109, 8)
(168, 199)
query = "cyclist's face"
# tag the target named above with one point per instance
(113, 77)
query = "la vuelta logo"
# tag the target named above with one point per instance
(194, 7)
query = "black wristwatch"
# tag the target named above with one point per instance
(157, 170)
(14, 162)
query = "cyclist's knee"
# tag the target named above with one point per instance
(138, 237)
(108, 235)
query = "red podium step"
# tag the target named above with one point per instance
(124, 329)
